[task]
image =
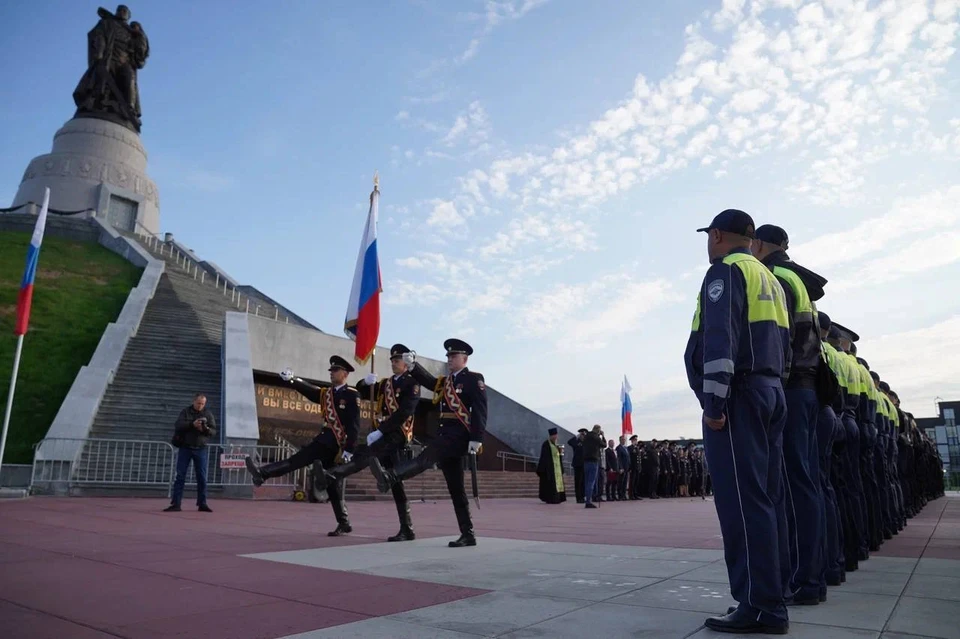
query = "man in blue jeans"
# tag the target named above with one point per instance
(193, 427)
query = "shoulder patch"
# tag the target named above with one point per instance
(715, 290)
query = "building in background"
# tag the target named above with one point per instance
(942, 430)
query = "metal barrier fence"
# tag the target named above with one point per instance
(506, 457)
(63, 463)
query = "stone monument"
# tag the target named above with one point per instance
(98, 162)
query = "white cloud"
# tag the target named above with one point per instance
(445, 215)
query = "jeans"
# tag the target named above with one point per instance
(589, 480)
(199, 458)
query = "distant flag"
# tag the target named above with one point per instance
(362, 323)
(626, 409)
(25, 298)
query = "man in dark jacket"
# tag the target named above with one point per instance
(191, 431)
(576, 445)
(592, 449)
(623, 463)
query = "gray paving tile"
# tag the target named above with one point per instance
(677, 594)
(473, 574)
(689, 554)
(933, 587)
(623, 566)
(492, 614)
(350, 558)
(942, 567)
(897, 635)
(886, 583)
(589, 587)
(598, 550)
(609, 620)
(714, 573)
(925, 617)
(800, 631)
(380, 627)
(848, 610)
(888, 564)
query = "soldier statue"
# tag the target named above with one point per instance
(108, 89)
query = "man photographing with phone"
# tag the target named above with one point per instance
(194, 426)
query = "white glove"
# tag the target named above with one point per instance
(409, 358)
(370, 379)
(347, 457)
(373, 436)
(286, 374)
(474, 447)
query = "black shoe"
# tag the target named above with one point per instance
(739, 623)
(823, 596)
(384, 477)
(341, 529)
(805, 601)
(834, 581)
(590, 505)
(254, 472)
(466, 539)
(172, 508)
(843, 577)
(405, 534)
(204, 508)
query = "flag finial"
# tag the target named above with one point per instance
(376, 180)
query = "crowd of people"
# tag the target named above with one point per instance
(605, 471)
(813, 462)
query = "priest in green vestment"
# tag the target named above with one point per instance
(550, 471)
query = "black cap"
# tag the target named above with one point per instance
(338, 362)
(583, 430)
(875, 376)
(398, 350)
(773, 235)
(824, 320)
(885, 387)
(863, 363)
(552, 431)
(732, 221)
(633, 437)
(845, 332)
(454, 345)
(894, 394)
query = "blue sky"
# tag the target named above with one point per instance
(543, 167)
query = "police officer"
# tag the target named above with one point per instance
(396, 399)
(804, 510)
(828, 429)
(462, 396)
(857, 545)
(735, 360)
(340, 407)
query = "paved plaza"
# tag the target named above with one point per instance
(91, 567)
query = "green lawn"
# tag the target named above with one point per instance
(80, 287)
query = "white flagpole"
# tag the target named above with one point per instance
(13, 384)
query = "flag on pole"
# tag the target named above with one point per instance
(25, 298)
(626, 407)
(362, 323)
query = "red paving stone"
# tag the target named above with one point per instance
(98, 567)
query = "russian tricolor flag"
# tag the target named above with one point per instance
(25, 298)
(362, 323)
(626, 407)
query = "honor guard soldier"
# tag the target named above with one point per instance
(802, 538)
(340, 407)
(735, 361)
(462, 396)
(396, 399)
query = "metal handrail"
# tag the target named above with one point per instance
(192, 267)
(505, 456)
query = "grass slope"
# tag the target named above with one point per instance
(80, 287)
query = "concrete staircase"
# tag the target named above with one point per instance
(430, 485)
(176, 352)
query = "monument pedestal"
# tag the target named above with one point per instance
(96, 165)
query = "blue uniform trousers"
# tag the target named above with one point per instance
(832, 563)
(745, 459)
(804, 503)
(858, 506)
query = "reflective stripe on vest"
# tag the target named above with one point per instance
(765, 298)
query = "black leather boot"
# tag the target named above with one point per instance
(467, 537)
(387, 477)
(403, 510)
(335, 490)
(262, 473)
